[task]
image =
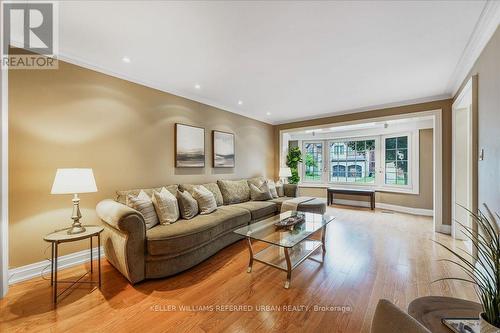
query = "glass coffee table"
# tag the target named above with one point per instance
(289, 246)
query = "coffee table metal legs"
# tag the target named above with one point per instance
(250, 262)
(288, 269)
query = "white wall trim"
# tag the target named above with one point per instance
(483, 31)
(444, 229)
(380, 205)
(36, 269)
(4, 209)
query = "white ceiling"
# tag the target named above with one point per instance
(295, 60)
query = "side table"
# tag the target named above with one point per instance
(62, 236)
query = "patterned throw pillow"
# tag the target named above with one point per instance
(279, 188)
(272, 188)
(234, 191)
(212, 187)
(143, 204)
(205, 198)
(166, 206)
(187, 205)
(261, 193)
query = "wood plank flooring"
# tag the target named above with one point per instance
(370, 255)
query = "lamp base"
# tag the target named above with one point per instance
(76, 230)
(76, 227)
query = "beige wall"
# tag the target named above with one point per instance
(423, 200)
(397, 199)
(74, 117)
(487, 90)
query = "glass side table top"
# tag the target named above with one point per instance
(266, 231)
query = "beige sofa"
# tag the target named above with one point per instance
(165, 250)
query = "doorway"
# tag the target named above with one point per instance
(463, 161)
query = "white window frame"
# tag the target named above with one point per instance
(303, 169)
(362, 138)
(413, 164)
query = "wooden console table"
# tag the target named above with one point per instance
(331, 191)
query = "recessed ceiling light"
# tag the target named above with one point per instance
(126, 59)
(240, 102)
(268, 113)
(197, 86)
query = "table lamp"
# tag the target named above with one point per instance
(74, 181)
(285, 173)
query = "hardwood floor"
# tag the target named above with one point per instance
(370, 255)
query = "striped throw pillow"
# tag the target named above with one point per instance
(144, 205)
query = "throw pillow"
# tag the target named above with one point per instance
(187, 205)
(166, 206)
(272, 188)
(234, 191)
(143, 204)
(279, 188)
(261, 193)
(205, 198)
(212, 187)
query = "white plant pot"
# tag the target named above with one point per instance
(485, 327)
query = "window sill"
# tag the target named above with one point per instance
(360, 186)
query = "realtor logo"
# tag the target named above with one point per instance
(29, 32)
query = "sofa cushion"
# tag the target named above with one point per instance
(290, 190)
(184, 235)
(212, 187)
(279, 201)
(144, 205)
(188, 206)
(234, 191)
(258, 209)
(279, 188)
(166, 206)
(121, 196)
(205, 198)
(257, 181)
(272, 188)
(261, 193)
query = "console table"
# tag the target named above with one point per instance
(364, 192)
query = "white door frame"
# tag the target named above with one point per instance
(462, 102)
(4, 182)
(438, 155)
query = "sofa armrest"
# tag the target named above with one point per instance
(290, 190)
(124, 239)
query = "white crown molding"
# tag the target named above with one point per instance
(36, 269)
(150, 84)
(486, 26)
(77, 61)
(367, 108)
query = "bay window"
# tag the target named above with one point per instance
(383, 162)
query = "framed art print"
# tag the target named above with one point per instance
(223, 149)
(189, 146)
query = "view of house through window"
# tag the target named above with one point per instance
(352, 161)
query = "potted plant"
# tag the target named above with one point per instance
(482, 270)
(293, 158)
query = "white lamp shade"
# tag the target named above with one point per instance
(285, 172)
(73, 181)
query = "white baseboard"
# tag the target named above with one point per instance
(396, 208)
(408, 210)
(36, 269)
